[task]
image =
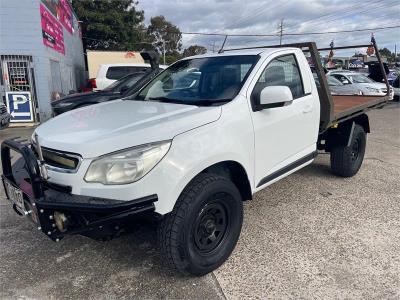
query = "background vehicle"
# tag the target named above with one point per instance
(109, 73)
(4, 116)
(188, 148)
(338, 88)
(119, 89)
(393, 74)
(366, 85)
(396, 88)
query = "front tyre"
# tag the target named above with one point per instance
(204, 226)
(347, 160)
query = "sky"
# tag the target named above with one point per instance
(263, 16)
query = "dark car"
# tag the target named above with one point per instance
(123, 87)
(118, 89)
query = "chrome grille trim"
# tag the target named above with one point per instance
(67, 155)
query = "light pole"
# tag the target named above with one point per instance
(163, 44)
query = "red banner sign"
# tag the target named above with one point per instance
(61, 9)
(52, 31)
(65, 16)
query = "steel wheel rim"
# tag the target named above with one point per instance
(355, 150)
(211, 226)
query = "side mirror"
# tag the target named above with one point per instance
(275, 96)
(345, 81)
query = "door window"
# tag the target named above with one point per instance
(281, 71)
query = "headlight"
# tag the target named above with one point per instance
(126, 166)
(372, 89)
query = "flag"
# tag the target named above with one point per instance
(371, 49)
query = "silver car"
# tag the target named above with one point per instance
(362, 82)
(338, 88)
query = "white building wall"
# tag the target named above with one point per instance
(21, 34)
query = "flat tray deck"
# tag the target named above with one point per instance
(344, 104)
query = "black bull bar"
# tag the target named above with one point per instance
(44, 202)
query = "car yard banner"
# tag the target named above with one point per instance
(61, 9)
(52, 31)
(19, 106)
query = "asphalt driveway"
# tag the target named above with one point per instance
(310, 235)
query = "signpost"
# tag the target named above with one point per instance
(19, 106)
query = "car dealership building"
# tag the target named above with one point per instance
(41, 56)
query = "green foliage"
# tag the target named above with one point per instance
(172, 57)
(164, 36)
(194, 50)
(385, 52)
(110, 24)
(117, 25)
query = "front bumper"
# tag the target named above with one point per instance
(44, 202)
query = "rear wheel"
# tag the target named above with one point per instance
(346, 160)
(204, 227)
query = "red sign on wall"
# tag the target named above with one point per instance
(52, 31)
(61, 9)
(65, 15)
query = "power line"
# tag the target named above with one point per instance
(331, 19)
(335, 13)
(289, 34)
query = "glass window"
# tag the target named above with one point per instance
(125, 82)
(121, 71)
(333, 81)
(200, 81)
(360, 79)
(341, 78)
(282, 71)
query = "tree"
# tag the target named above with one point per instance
(194, 50)
(385, 52)
(110, 24)
(165, 37)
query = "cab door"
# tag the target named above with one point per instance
(285, 137)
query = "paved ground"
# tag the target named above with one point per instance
(311, 235)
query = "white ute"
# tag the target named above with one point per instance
(193, 144)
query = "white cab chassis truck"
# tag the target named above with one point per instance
(192, 145)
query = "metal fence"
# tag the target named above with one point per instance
(17, 75)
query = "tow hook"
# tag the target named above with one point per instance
(61, 221)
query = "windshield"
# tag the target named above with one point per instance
(200, 81)
(127, 82)
(332, 81)
(360, 79)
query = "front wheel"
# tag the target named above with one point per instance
(346, 160)
(204, 227)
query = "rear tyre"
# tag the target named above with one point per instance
(347, 160)
(204, 226)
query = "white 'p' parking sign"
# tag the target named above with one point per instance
(19, 106)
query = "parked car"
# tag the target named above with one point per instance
(188, 148)
(109, 73)
(366, 85)
(119, 89)
(396, 88)
(4, 116)
(393, 74)
(338, 88)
